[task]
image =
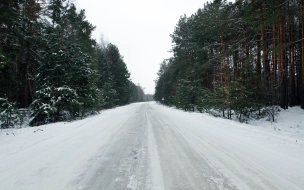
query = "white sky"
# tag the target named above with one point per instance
(140, 29)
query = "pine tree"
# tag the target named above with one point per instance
(66, 79)
(118, 70)
(18, 36)
(239, 63)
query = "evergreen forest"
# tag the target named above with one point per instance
(241, 59)
(52, 70)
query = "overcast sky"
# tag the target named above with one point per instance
(140, 29)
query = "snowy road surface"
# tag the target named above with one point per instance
(149, 146)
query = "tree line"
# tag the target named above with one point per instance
(50, 64)
(236, 59)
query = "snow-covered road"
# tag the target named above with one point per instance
(149, 146)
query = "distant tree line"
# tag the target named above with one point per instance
(148, 97)
(50, 64)
(236, 58)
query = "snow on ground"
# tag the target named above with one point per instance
(252, 157)
(14, 140)
(150, 146)
(289, 123)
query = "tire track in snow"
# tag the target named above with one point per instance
(183, 166)
(155, 176)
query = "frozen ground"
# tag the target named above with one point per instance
(149, 146)
(289, 122)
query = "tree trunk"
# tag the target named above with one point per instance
(302, 60)
(258, 62)
(274, 65)
(282, 64)
(264, 49)
(291, 57)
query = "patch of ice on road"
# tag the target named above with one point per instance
(119, 179)
(133, 182)
(82, 187)
(219, 182)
